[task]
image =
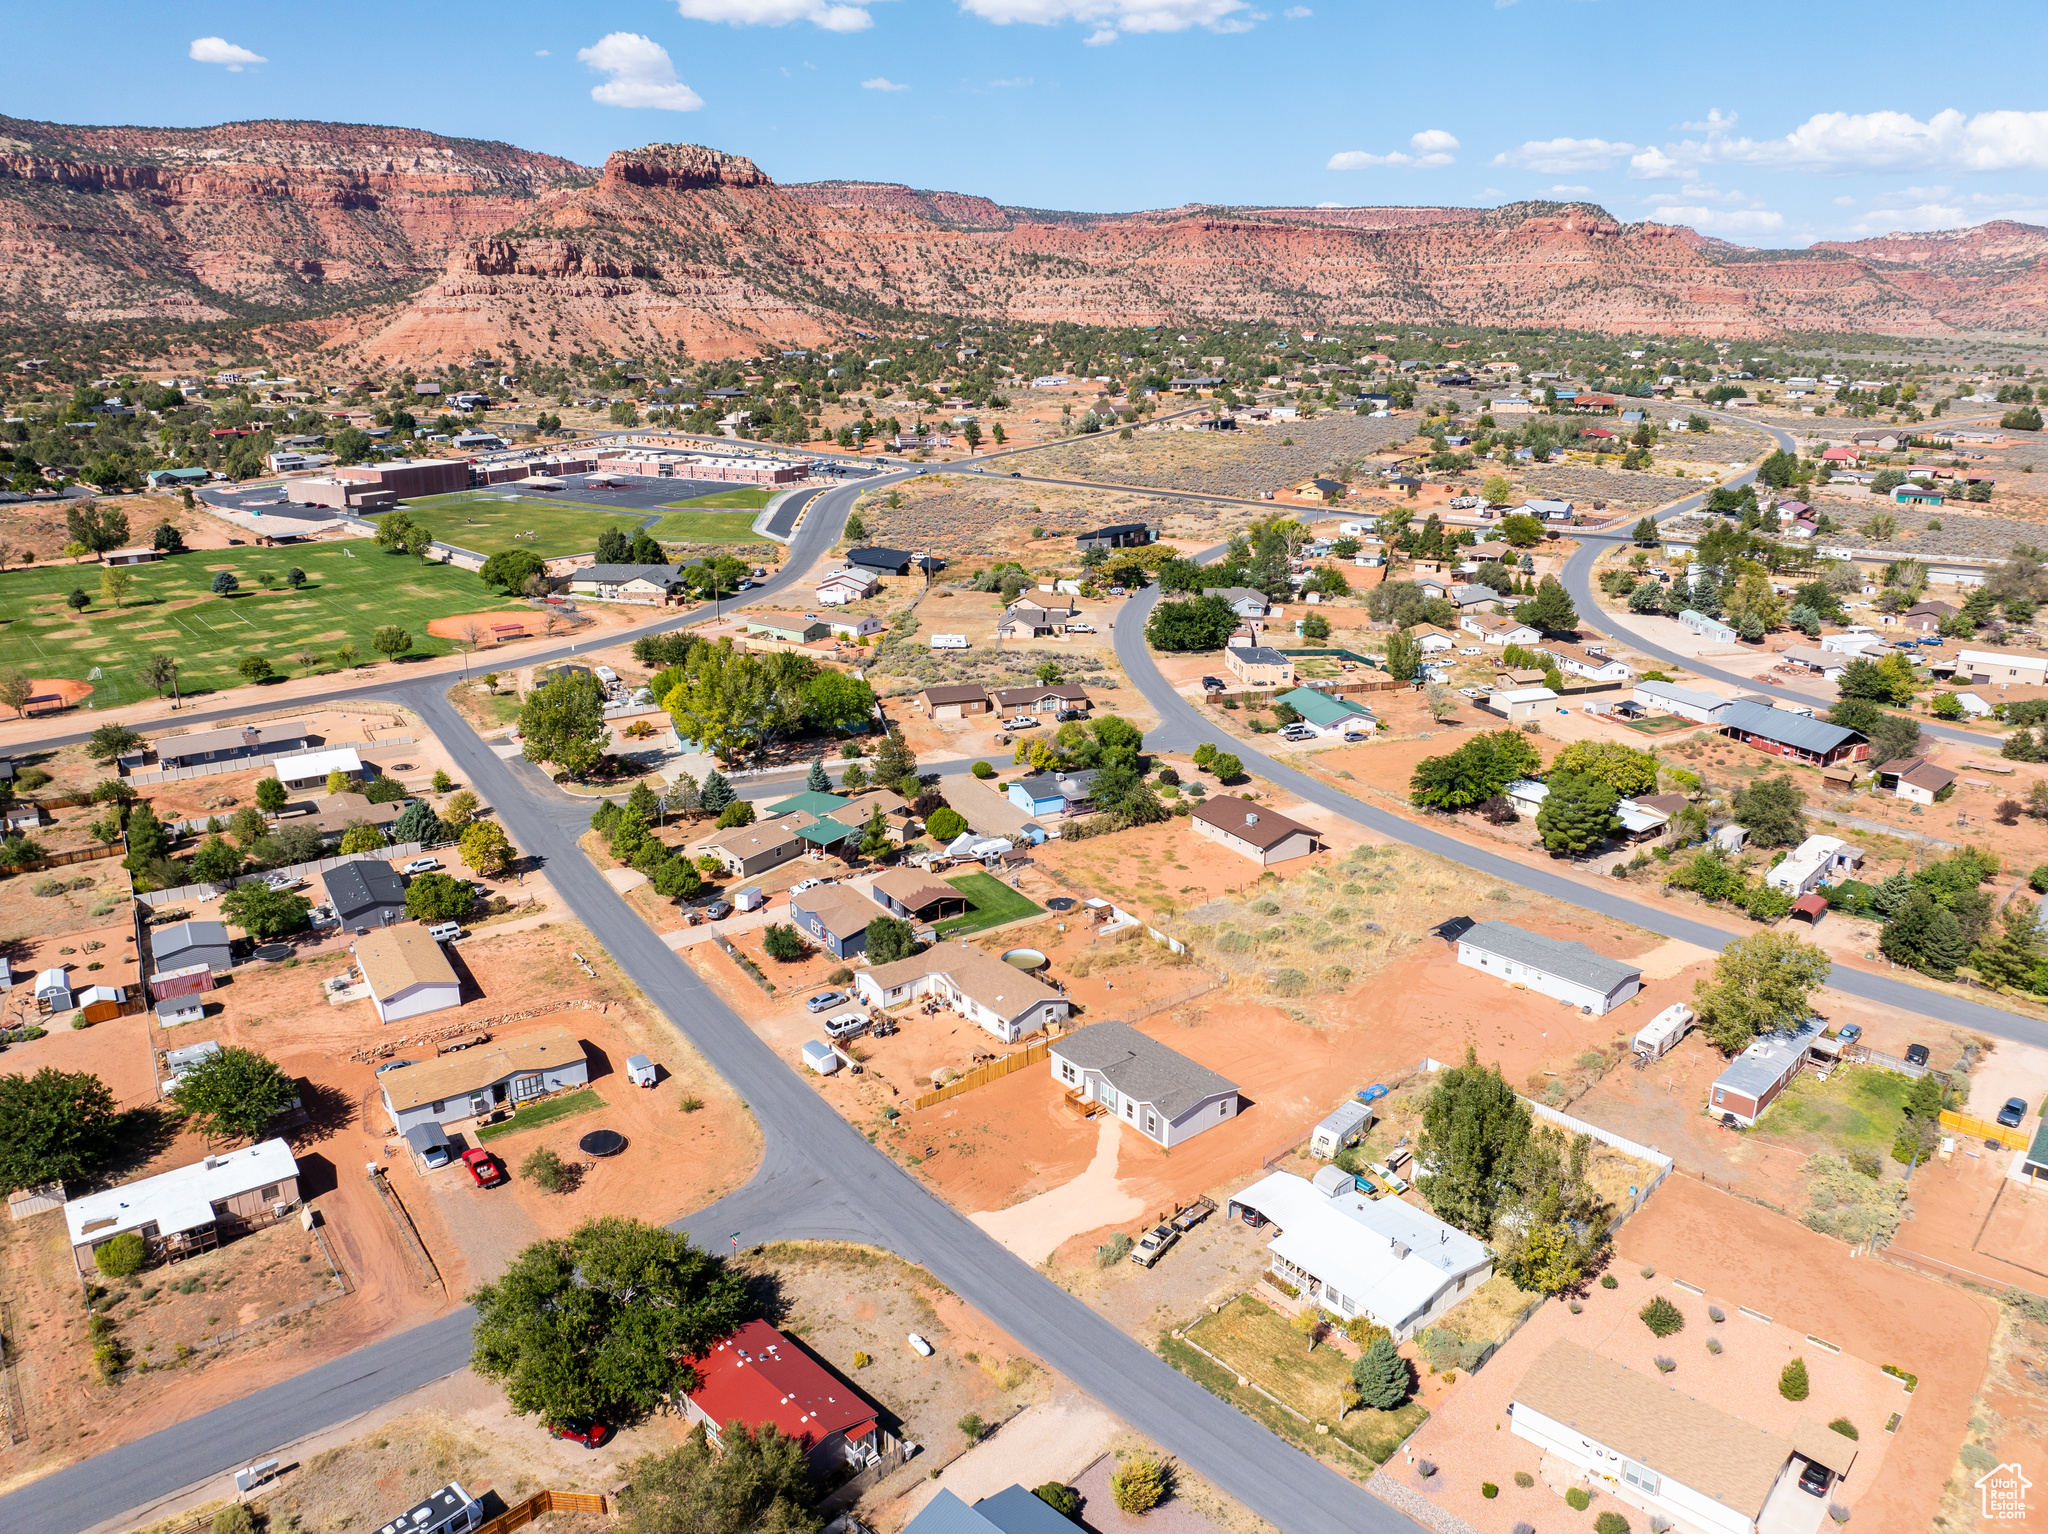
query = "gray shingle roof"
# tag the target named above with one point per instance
(1815, 735)
(1568, 961)
(1142, 1067)
(1259, 655)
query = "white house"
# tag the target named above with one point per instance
(1854, 643)
(310, 770)
(406, 971)
(1157, 1091)
(973, 982)
(843, 586)
(1988, 666)
(1661, 1449)
(1580, 661)
(1526, 795)
(1384, 1259)
(1570, 972)
(1710, 629)
(1520, 704)
(185, 1208)
(1685, 702)
(855, 628)
(1915, 778)
(1498, 631)
(1812, 862)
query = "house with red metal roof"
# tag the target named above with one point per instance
(757, 1375)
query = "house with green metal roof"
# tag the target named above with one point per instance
(1325, 714)
(826, 833)
(810, 802)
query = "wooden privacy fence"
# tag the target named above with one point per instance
(63, 859)
(982, 1075)
(1980, 1129)
(520, 1514)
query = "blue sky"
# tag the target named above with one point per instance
(1766, 124)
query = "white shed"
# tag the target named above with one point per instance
(818, 1055)
(641, 1071)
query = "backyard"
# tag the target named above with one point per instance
(990, 903)
(171, 608)
(1263, 1347)
(1858, 1108)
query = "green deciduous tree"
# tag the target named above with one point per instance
(1475, 771)
(563, 723)
(1623, 768)
(1772, 810)
(1760, 984)
(756, 1482)
(512, 569)
(485, 848)
(1404, 655)
(112, 740)
(265, 913)
(945, 824)
(1578, 813)
(782, 942)
(600, 1323)
(390, 641)
(234, 1093)
(1473, 1131)
(362, 837)
(1191, 623)
(216, 861)
(54, 1125)
(889, 939)
(1550, 610)
(432, 897)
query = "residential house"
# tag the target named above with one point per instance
(975, 983)
(1569, 972)
(1161, 1093)
(1783, 733)
(188, 1208)
(1253, 830)
(1258, 665)
(957, 701)
(1685, 702)
(757, 1377)
(310, 770)
(1662, 1449)
(1012, 1510)
(1431, 639)
(1754, 1078)
(203, 747)
(1829, 663)
(1387, 1260)
(1984, 667)
(866, 626)
(1882, 441)
(1713, 630)
(1917, 495)
(187, 943)
(407, 973)
(1546, 510)
(787, 628)
(833, 917)
(1916, 778)
(893, 561)
(1040, 699)
(843, 586)
(365, 893)
(1593, 665)
(333, 814)
(637, 585)
(1519, 705)
(1028, 618)
(1927, 617)
(469, 1083)
(916, 896)
(1499, 631)
(1119, 535)
(1244, 601)
(1812, 863)
(746, 852)
(1325, 713)
(1053, 793)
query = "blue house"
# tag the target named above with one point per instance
(1053, 793)
(1010, 1511)
(833, 917)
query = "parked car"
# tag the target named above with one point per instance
(483, 1168)
(1080, 628)
(282, 882)
(1813, 1480)
(1153, 1244)
(581, 1430)
(846, 1025)
(1066, 714)
(1849, 1034)
(825, 1000)
(421, 866)
(718, 910)
(1297, 732)
(1916, 1054)
(809, 884)
(1021, 722)
(923, 1348)
(1212, 684)
(2014, 1110)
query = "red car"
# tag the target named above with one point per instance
(588, 1433)
(483, 1166)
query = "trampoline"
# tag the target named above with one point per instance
(1060, 903)
(602, 1142)
(274, 953)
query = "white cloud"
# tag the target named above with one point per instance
(1845, 202)
(1725, 221)
(1329, 205)
(1432, 148)
(1562, 156)
(1574, 191)
(1297, 13)
(780, 13)
(540, 53)
(1112, 18)
(1863, 141)
(642, 74)
(1018, 84)
(218, 50)
(882, 83)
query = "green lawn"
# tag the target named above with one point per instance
(707, 527)
(1260, 1345)
(567, 1106)
(990, 903)
(491, 523)
(351, 590)
(752, 498)
(1858, 1108)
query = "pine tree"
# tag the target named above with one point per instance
(894, 761)
(1578, 814)
(817, 782)
(2020, 746)
(641, 801)
(1943, 948)
(1792, 1382)
(716, 793)
(2010, 960)
(1892, 895)
(1904, 938)
(1381, 1376)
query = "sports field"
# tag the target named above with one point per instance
(491, 521)
(351, 590)
(752, 498)
(707, 527)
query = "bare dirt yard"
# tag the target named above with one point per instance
(1242, 463)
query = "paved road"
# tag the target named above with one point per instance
(819, 1177)
(1578, 580)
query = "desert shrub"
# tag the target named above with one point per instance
(1524, 1480)
(972, 1427)
(1662, 1317)
(1845, 1427)
(1713, 1344)
(1793, 1384)
(1062, 1499)
(1577, 1500)
(233, 1520)
(1608, 1281)
(1425, 1468)
(1488, 1490)
(546, 1170)
(1649, 1272)
(1141, 1483)
(1664, 1365)
(982, 770)
(1610, 1522)
(1716, 1314)
(1838, 1512)
(1113, 1251)
(47, 887)
(691, 1104)
(124, 1256)
(861, 1360)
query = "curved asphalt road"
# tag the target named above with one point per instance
(819, 1177)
